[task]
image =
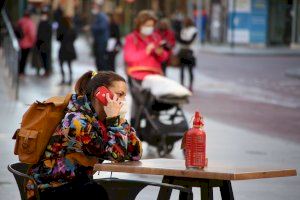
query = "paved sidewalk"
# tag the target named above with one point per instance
(226, 144)
(249, 51)
(295, 72)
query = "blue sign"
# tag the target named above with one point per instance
(239, 20)
(259, 21)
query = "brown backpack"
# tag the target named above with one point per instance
(38, 124)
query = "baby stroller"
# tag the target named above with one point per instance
(159, 119)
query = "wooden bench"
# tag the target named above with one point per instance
(175, 172)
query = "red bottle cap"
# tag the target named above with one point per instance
(197, 120)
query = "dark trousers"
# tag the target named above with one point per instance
(23, 60)
(46, 61)
(100, 58)
(111, 61)
(190, 69)
(61, 62)
(87, 190)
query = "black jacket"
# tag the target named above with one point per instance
(44, 35)
(67, 37)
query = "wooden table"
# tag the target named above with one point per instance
(175, 172)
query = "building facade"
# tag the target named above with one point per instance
(254, 22)
(235, 22)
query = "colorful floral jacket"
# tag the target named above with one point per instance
(79, 142)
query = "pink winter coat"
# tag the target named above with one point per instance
(138, 63)
(29, 33)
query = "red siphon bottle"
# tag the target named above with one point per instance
(194, 144)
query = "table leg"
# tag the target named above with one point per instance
(206, 186)
(226, 191)
(165, 193)
(185, 196)
(207, 193)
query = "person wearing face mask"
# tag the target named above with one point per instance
(168, 42)
(100, 33)
(143, 51)
(89, 133)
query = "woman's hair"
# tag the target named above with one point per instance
(164, 22)
(143, 16)
(67, 22)
(187, 22)
(87, 84)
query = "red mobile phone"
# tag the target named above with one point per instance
(102, 98)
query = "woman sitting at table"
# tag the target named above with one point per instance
(89, 133)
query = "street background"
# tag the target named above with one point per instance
(251, 113)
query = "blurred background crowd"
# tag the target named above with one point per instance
(252, 23)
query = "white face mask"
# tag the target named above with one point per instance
(123, 110)
(147, 30)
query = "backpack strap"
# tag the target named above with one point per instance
(67, 98)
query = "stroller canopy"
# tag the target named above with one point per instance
(166, 89)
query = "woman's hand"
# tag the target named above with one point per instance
(149, 48)
(112, 109)
(159, 51)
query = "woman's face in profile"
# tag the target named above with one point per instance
(119, 88)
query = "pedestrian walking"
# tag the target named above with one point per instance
(43, 43)
(168, 39)
(114, 43)
(66, 34)
(90, 132)
(100, 32)
(27, 39)
(186, 54)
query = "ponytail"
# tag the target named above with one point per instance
(89, 82)
(81, 86)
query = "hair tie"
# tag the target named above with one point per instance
(94, 74)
